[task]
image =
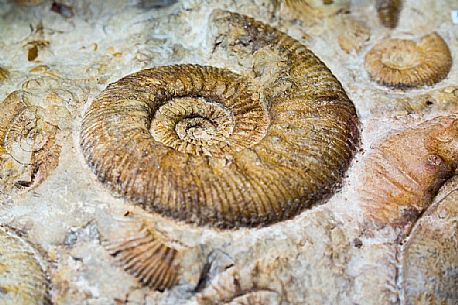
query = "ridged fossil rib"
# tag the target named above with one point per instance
(201, 144)
(147, 257)
(23, 280)
(406, 63)
(405, 171)
(388, 12)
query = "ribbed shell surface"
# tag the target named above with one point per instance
(204, 145)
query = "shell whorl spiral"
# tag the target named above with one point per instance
(208, 146)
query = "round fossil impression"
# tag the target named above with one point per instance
(22, 277)
(406, 63)
(209, 146)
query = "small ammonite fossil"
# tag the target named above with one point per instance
(388, 12)
(406, 63)
(209, 146)
(28, 148)
(429, 273)
(404, 172)
(147, 256)
(23, 280)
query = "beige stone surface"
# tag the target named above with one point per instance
(325, 255)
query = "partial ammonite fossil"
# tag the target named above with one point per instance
(429, 273)
(23, 279)
(209, 146)
(28, 148)
(406, 169)
(148, 256)
(407, 63)
(388, 12)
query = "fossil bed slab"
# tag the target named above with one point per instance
(59, 62)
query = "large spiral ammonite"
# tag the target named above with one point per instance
(204, 145)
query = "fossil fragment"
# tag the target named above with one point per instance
(23, 280)
(262, 297)
(4, 74)
(354, 36)
(430, 257)
(28, 148)
(406, 63)
(388, 12)
(317, 8)
(404, 172)
(202, 144)
(147, 256)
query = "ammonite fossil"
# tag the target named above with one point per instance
(28, 149)
(206, 145)
(388, 12)
(147, 256)
(430, 256)
(23, 279)
(404, 172)
(406, 63)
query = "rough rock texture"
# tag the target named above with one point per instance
(60, 57)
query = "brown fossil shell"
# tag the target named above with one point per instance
(28, 149)
(354, 36)
(406, 63)
(147, 256)
(4, 74)
(430, 256)
(404, 172)
(205, 145)
(388, 12)
(23, 280)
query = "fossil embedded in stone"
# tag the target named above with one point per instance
(23, 279)
(430, 255)
(28, 148)
(317, 8)
(148, 257)
(406, 63)
(209, 146)
(406, 169)
(388, 12)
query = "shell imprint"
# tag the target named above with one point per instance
(388, 12)
(28, 149)
(147, 257)
(317, 8)
(406, 63)
(430, 257)
(405, 171)
(23, 280)
(200, 144)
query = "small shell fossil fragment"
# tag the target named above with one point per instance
(388, 12)
(147, 256)
(404, 172)
(23, 279)
(430, 256)
(261, 297)
(4, 74)
(317, 8)
(28, 148)
(201, 144)
(353, 37)
(406, 63)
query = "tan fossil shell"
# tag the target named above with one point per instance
(430, 256)
(202, 144)
(147, 256)
(28, 149)
(317, 8)
(353, 37)
(406, 169)
(388, 12)
(23, 280)
(4, 74)
(406, 63)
